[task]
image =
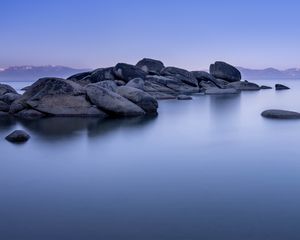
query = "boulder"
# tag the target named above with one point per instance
(225, 71)
(206, 78)
(162, 95)
(4, 88)
(280, 114)
(112, 103)
(138, 83)
(150, 66)
(79, 76)
(4, 107)
(184, 97)
(127, 72)
(142, 99)
(281, 87)
(108, 84)
(25, 88)
(102, 74)
(244, 86)
(265, 87)
(120, 82)
(180, 74)
(3, 114)
(29, 114)
(9, 97)
(18, 136)
(219, 91)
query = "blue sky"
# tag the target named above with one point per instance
(185, 33)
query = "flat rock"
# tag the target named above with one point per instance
(112, 103)
(18, 136)
(225, 71)
(219, 91)
(180, 74)
(281, 87)
(244, 86)
(280, 114)
(127, 72)
(265, 87)
(150, 66)
(184, 97)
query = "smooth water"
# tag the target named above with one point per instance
(211, 168)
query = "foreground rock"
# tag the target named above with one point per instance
(244, 86)
(18, 136)
(225, 71)
(112, 103)
(280, 114)
(150, 66)
(219, 91)
(281, 87)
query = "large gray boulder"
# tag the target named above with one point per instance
(112, 103)
(180, 74)
(150, 66)
(244, 86)
(127, 72)
(18, 136)
(142, 99)
(4, 88)
(138, 83)
(220, 91)
(225, 71)
(102, 74)
(280, 114)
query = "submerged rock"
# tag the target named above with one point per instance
(18, 136)
(225, 71)
(280, 114)
(281, 87)
(150, 66)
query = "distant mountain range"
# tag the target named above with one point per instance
(32, 73)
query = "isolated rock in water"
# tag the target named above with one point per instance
(180, 74)
(102, 74)
(225, 71)
(112, 103)
(127, 72)
(280, 114)
(206, 78)
(184, 97)
(9, 97)
(108, 84)
(4, 107)
(142, 99)
(265, 87)
(18, 136)
(29, 114)
(150, 66)
(138, 83)
(66, 105)
(79, 76)
(219, 91)
(281, 87)
(4, 88)
(244, 86)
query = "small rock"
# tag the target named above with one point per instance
(281, 87)
(18, 136)
(265, 87)
(184, 97)
(280, 114)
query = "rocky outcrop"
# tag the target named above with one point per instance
(280, 114)
(150, 66)
(180, 74)
(18, 136)
(225, 71)
(244, 86)
(127, 72)
(281, 87)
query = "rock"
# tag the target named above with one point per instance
(244, 86)
(184, 97)
(66, 106)
(25, 88)
(4, 88)
(180, 74)
(162, 96)
(265, 87)
(225, 71)
(9, 97)
(79, 76)
(112, 103)
(280, 114)
(29, 114)
(4, 107)
(127, 72)
(102, 74)
(18, 136)
(120, 82)
(17, 106)
(138, 83)
(108, 84)
(206, 78)
(150, 66)
(142, 99)
(3, 114)
(281, 87)
(219, 91)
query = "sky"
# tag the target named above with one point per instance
(185, 33)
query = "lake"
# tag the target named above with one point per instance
(210, 168)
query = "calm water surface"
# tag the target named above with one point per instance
(211, 168)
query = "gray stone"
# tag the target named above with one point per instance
(219, 91)
(102, 74)
(280, 114)
(184, 97)
(225, 71)
(4, 107)
(29, 114)
(150, 66)
(4, 88)
(244, 86)
(142, 99)
(108, 84)
(9, 97)
(265, 87)
(162, 95)
(127, 72)
(205, 79)
(18, 136)
(112, 103)
(79, 76)
(180, 74)
(281, 87)
(3, 114)
(138, 83)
